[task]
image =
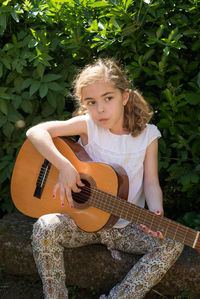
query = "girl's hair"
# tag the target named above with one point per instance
(137, 112)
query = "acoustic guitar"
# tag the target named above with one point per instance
(101, 202)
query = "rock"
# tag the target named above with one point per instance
(90, 266)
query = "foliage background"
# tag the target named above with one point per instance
(44, 43)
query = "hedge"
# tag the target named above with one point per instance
(44, 43)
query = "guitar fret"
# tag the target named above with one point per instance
(185, 235)
(138, 215)
(137, 221)
(130, 213)
(126, 215)
(152, 219)
(176, 232)
(156, 226)
(143, 220)
(118, 207)
(164, 229)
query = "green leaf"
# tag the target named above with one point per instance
(166, 51)
(3, 176)
(1, 70)
(33, 43)
(185, 179)
(51, 98)
(168, 95)
(8, 46)
(3, 119)
(15, 16)
(60, 103)
(128, 3)
(43, 90)
(172, 130)
(55, 86)
(3, 23)
(3, 94)
(198, 79)
(51, 77)
(35, 85)
(3, 106)
(6, 61)
(27, 106)
(26, 83)
(160, 30)
(196, 45)
(13, 114)
(99, 4)
(40, 69)
(17, 101)
(164, 123)
(47, 110)
(3, 164)
(194, 178)
(196, 146)
(8, 128)
(148, 54)
(18, 84)
(193, 98)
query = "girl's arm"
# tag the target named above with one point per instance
(152, 190)
(41, 137)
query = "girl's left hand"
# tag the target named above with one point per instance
(157, 234)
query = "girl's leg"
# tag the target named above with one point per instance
(159, 256)
(51, 233)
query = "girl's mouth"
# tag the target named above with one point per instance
(103, 119)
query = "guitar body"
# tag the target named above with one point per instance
(27, 172)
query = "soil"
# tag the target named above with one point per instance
(19, 288)
(12, 287)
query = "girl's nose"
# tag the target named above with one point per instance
(100, 107)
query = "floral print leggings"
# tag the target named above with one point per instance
(53, 232)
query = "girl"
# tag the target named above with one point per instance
(112, 123)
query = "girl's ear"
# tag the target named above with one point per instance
(126, 95)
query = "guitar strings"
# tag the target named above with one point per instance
(182, 234)
(87, 191)
(173, 225)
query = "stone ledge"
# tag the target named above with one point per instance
(90, 265)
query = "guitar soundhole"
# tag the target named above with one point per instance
(81, 198)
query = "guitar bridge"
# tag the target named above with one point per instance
(41, 181)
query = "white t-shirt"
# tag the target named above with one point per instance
(124, 150)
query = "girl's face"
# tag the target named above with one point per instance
(105, 104)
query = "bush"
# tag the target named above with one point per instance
(44, 43)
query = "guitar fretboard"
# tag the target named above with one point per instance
(128, 211)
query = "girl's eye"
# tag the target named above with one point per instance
(108, 99)
(90, 103)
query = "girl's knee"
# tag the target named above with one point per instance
(45, 225)
(173, 248)
(178, 247)
(49, 219)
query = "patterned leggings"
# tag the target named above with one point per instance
(53, 232)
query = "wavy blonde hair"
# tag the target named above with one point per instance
(137, 112)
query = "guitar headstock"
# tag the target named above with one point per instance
(197, 244)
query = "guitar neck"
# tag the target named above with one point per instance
(128, 211)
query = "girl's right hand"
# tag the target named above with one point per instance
(68, 181)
